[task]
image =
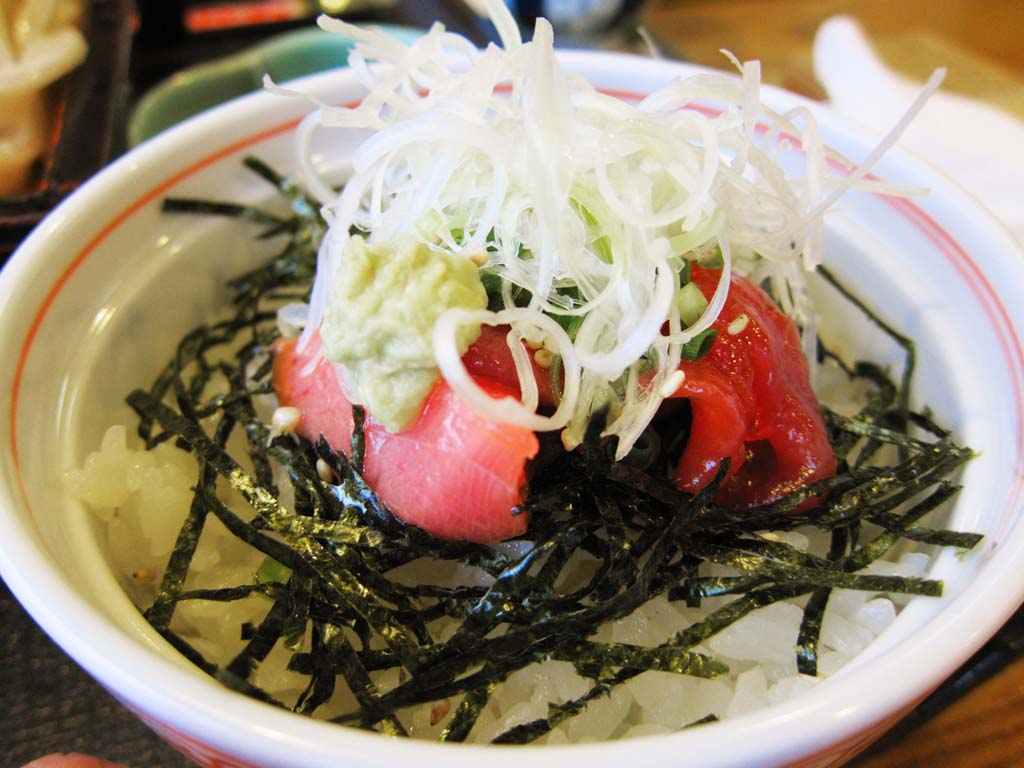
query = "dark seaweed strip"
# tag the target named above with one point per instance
(581, 623)
(790, 511)
(924, 535)
(909, 348)
(513, 650)
(810, 631)
(889, 489)
(317, 498)
(335, 531)
(892, 487)
(188, 390)
(273, 590)
(941, 538)
(682, 520)
(710, 718)
(664, 658)
(842, 543)
(358, 445)
(731, 612)
(659, 489)
(693, 590)
(190, 349)
(161, 611)
(372, 659)
(499, 600)
(770, 552)
(878, 400)
(874, 549)
(403, 614)
(546, 502)
(323, 676)
(299, 597)
(275, 179)
(887, 435)
(272, 547)
(464, 595)
(188, 651)
(229, 680)
(347, 662)
(619, 557)
(876, 409)
(261, 643)
(213, 208)
(822, 576)
(304, 206)
(467, 713)
(235, 683)
(926, 422)
(326, 507)
(553, 566)
(348, 589)
(240, 406)
(443, 677)
(558, 713)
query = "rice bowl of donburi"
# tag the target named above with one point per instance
(98, 299)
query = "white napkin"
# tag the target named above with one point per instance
(978, 145)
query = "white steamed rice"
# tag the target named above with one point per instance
(142, 498)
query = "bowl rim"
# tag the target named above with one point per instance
(190, 705)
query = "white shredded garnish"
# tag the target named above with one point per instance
(589, 205)
(526, 324)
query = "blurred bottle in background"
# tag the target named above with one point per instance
(585, 23)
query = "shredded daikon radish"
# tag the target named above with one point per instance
(529, 325)
(586, 204)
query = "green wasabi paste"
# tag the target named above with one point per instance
(384, 301)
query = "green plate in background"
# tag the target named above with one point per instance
(283, 57)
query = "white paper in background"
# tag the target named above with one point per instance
(976, 144)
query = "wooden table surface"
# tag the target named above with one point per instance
(982, 44)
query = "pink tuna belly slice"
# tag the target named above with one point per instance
(453, 473)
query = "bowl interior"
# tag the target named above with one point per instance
(96, 300)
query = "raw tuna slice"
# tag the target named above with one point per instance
(453, 473)
(752, 402)
(490, 358)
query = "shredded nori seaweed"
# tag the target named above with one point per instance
(332, 601)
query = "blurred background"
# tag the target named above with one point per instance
(130, 69)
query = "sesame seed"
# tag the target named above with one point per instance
(673, 383)
(285, 420)
(323, 469)
(738, 325)
(567, 442)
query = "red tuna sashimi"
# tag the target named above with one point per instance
(752, 402)
(489, 357)
(452, 473)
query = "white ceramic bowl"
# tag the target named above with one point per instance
(91, 302)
